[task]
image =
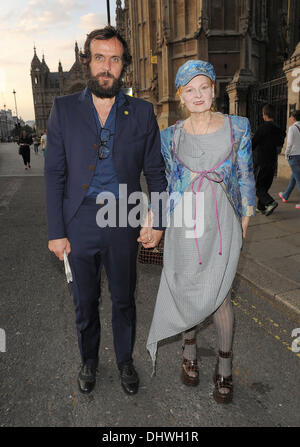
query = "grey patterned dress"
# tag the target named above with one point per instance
(190, 291)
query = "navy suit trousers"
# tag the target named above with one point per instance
(115, 249)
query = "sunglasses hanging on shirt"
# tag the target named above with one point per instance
(104, 150)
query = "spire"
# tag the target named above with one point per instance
(76, 52)
(119, 14)
(44, 65)
(35, 63)
(60, 69)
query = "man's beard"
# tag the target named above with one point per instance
(103, 91)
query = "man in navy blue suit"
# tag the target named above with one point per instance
(98, 140)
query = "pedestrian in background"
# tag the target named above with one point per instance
(36, 144)
(44, 142)
(24, 143)
(292, 154)
(265, 143)
(208, 153)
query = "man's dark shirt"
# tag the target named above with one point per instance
(265, 143)
(27, 140)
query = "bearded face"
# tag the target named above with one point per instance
(104, 84)
(106, 67)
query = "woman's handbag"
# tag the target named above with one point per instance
(152, 255)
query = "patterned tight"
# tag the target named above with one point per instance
(223, 319)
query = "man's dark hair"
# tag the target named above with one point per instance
(296, 114)
(104, 34)
(269, 111)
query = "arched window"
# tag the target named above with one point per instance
(36, 80)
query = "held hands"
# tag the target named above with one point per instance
(58, 246)
(148, 236)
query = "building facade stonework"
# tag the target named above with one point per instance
(47, 85)
(7, 124)
(247, 41)
(251, 43)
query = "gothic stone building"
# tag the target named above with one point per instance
(47, 85)
(247, 41)
(251, 43)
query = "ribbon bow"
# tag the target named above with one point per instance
(201, 176)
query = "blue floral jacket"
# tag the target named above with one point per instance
(236, 172)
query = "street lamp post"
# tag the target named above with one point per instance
(108, 12)
(6, 127)
(14, 92)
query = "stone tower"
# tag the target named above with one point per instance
(47, 85)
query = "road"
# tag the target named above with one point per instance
(38, 370)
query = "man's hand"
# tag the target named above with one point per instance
(245, 223)
(148, 237)
(58, 246)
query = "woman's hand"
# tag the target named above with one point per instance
(148, 236)
(245, 223)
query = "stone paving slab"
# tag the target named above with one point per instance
(11, 163)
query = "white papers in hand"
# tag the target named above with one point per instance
(67, 268)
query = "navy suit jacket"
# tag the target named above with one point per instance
(72, 151)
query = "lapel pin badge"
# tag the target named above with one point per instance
(126, 112)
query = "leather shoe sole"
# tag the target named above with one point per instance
(85, 387)
(130, 388)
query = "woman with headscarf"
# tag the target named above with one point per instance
(209, 165)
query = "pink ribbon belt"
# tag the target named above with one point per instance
(201, 176)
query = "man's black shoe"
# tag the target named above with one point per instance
(87, 378)
(270, 208)
(129, 379)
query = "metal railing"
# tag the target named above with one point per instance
(273, 92)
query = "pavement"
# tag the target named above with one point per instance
(270, 258)
(11, 163)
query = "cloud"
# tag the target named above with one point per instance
(41, 15)
(38, 16)
(52, 26)
(92, 21)
(2, 80)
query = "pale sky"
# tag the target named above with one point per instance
(52, 26)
